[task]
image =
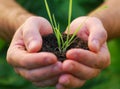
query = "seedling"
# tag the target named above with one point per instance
(64, 44)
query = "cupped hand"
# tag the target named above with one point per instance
(82, 65)
(41, 68)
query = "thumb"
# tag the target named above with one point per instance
(97, 37)
(32, 38)
(33, 29)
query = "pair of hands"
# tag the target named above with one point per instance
(43, 69)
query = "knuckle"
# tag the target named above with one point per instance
(103, 35)
(98, 63)
(29, 75)
(38, 76)
(92, 74)
(23, 62)
(102, 62)
(32, 76)
(25, 74)
(95, 73)
(107, 61)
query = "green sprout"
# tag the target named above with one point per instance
(64, 44)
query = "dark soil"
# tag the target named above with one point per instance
(50, 45)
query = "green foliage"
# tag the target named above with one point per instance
(114, 47)
(62, 45)
(60, 8)
(2, 43)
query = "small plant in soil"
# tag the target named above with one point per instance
(58, 43)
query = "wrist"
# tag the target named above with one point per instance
(109, 18)
(17, 18)
(14, 22)
(12, 16)
(107, 22)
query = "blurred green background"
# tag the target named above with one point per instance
(108, 79)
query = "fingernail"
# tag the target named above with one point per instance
(95, 45)
(32, 44)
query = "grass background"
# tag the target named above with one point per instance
(108, 79)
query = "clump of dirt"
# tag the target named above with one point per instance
(50, 45)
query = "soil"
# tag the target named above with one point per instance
(50, 45)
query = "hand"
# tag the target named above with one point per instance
(41, 68)
(82, 65)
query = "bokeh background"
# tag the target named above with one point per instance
(108, 79)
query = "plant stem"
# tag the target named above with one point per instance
(63, 45)
(69, 18)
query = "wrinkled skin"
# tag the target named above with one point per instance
(43, 69)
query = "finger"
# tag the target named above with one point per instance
(46, 83)
(41, 74)
(31, 33)
(97, 34)
(19, 58)
(79, 70)
(68, 81)
(32, 38)
(100, 60)
(60, 86)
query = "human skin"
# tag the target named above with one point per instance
(110, 21)
(110, 18)
(12, 16)
(82, 65)
(26, 62)
(23, 52)
(41, 68)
